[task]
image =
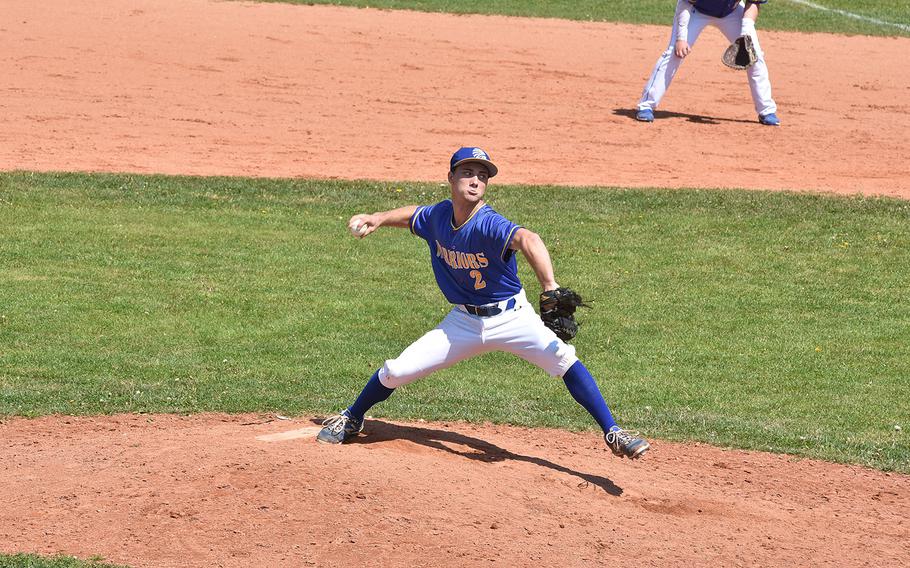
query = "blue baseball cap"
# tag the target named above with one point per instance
(471, 154)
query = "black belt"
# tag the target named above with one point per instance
(486, 311)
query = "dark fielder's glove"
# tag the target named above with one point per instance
(557, 310)
(741, 53)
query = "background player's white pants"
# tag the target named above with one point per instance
(461, 335)
(668, 63)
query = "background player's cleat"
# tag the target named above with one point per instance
(338, 428)
(624, 444)
(769, 120)
(645, 115)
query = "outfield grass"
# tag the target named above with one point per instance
(60, 561)
(778, 15)
(756, 320)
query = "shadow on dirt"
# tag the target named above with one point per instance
(696, 118)
(474, 449)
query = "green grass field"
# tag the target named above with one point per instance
(60, 561)
(754, 320)
(778, 15)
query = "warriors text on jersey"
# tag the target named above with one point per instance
(473, 263)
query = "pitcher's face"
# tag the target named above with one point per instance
(469, 182)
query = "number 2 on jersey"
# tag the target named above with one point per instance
(478, 279)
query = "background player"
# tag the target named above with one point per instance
(472, 250)
(734, 18)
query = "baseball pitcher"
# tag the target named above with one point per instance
(473, 253)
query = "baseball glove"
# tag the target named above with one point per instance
(557, 310)
(740, 54)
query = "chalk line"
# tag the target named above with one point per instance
(860, 17)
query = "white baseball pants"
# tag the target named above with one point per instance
(461, 336)
(668, 63)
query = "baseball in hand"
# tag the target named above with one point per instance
(358, 228)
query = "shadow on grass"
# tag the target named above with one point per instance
(481, 450)
(696, 118)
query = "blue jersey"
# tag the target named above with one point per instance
(473, 263)
(718, 8)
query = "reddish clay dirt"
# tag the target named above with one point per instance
(199, 87)
(210, 491)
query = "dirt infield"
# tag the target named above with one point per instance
(200, 87)
(217, 490)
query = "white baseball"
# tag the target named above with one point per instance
(358, 229)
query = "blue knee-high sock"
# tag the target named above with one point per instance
(374, 392)
(585, 392)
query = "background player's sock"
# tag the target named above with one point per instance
(374, 392)
(585, 392)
